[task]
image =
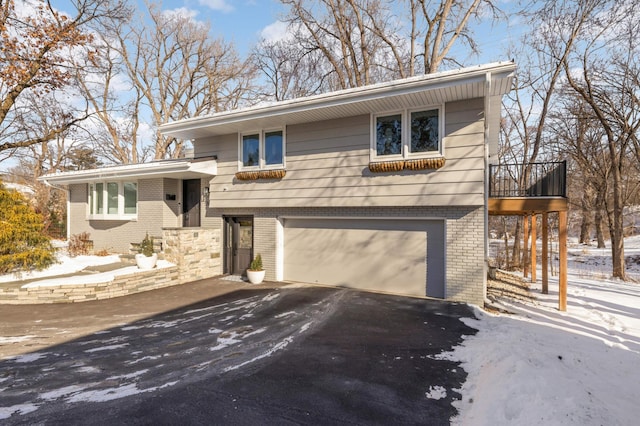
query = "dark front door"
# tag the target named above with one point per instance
(191, 203)
(239, 244)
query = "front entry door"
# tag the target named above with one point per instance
(191, 203)
(239, 244)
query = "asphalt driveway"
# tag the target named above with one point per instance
(286, 355)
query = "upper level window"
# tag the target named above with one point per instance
(113, 200)
(389, 135)
(406, 134)
(261, 150)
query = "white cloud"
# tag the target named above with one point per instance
(220, 5)
(276, 31)
(180, 12)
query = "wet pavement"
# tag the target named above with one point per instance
(236, 355)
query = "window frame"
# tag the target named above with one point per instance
(405, 117)
(374, 135)
(92, 200)
(262, 165)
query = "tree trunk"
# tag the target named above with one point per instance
(515, 256)
(506, 243)
(587, 220)
(617, 234)
(598, 224)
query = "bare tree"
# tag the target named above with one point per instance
(559, 28)
(577, 133)
(608, 82)
(114, 101)
(37, 44)
(176, 71)
(367, 41)
(67, 151)
(290, 71)
(437, 26)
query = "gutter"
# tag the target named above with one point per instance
(68, 194)
(487, 135)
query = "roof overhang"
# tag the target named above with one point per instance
(430, 89)
(177, 169)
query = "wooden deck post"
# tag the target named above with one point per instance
(525, 246)
(545, 253)
(562, 243)
(534, 224)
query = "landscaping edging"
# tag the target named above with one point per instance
(121, 285)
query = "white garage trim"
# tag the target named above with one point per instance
(279, 249)
(282, 218)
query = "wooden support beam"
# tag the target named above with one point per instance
(534, 225)
(525, 246)
(518, 206)
(545, 253)
(562, 243)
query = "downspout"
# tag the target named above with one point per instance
(487, 114)
(68, 193)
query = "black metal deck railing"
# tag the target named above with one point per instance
(543, 180)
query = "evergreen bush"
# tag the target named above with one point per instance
(256, 263)
(146, 246)
(23, 243)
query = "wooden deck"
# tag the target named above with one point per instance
(530, 208)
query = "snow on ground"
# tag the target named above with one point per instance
(69, 265)
(101, 277)
(66, 265)
(543, 366)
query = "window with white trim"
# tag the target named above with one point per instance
(407, 134)
(113, 200)
(262, 150)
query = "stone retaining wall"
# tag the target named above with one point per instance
(122, 285)
(196, 251)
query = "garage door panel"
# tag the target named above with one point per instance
(378, 255)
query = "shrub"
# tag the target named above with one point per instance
(146, 246)
(256, 263)
(79, 244)
(102, 253)
(23, 244)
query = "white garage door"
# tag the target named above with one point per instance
(396, 256)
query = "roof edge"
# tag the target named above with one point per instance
(153, 168)
(340, 96)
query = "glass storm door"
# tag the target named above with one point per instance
(191, 203)
(239, 244)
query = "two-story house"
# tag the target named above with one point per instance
(382, 187)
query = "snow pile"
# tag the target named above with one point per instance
(542, 366)
(65, 265)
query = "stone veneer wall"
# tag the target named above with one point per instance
(122, 285)
(196, 252)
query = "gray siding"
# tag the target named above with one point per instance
(327, 166)
(115, 236)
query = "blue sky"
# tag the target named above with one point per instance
(243, 21)
(240, 21)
